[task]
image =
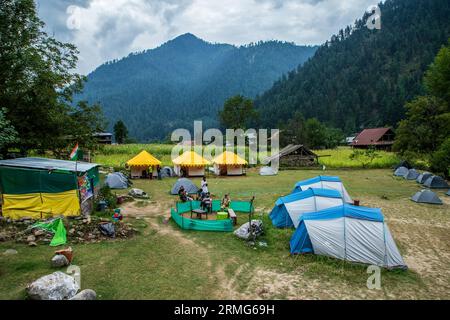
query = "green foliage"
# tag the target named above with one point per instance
(440, 160)
(186, 79)
(340, 158)
(237, 112)
(365, 156)
(311, 133)
(37, 83)
(8, 134)
(361, 77)
(427, 125)
(120, 132)
(437, 78)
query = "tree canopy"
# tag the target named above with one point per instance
(37, 84)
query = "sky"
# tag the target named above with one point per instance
(104, 30)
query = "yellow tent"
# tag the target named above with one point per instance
(191, 163)
(140, 164)
(229, 163)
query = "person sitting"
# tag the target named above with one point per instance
(206, 203)
(183, 195)
(225, 204)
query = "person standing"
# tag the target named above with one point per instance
(204, 185)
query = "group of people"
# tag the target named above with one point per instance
(204, 197)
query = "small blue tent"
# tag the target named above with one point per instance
(323, 182)
(350, 233)
(288, 209)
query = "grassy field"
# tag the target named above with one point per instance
(118, 155)
(164, 262)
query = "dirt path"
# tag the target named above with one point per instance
(154, 214)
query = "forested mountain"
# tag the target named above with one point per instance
(361, 77)
(166, 88)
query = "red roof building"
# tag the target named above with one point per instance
(380, 138)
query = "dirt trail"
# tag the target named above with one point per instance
(154, 214)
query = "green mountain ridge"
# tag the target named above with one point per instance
(362, 78)
(186, 79)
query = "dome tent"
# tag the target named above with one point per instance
(401, 172)
(117, 180)
(167, 172)
(188, 185)
(426, 196)
(351, 233)
(267, 171)
(324, 182)
(423, 177)
(289, 209)
(436, 182)
(405, 164)
(411, 175)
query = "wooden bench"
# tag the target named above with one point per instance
(232, 215)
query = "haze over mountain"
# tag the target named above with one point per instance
(186, 79)
(362, 78)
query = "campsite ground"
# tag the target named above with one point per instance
(164, 262)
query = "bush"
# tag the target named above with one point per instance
(440, 160)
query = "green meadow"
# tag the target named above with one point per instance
(165, 262)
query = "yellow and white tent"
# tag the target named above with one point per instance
(191, 164)
(229, 163)
(141, 163)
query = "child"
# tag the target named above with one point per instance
(225, 202)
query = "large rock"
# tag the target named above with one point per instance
(87, 294)
(59, 261)
(55, 286)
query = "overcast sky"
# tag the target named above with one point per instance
(108, 29)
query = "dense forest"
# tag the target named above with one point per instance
(186, 79)
(361, 77)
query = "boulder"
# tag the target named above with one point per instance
(59, 261)
(31, 238)
(38, 232)
(87, 294)
(3, 237)
(32, 244)
(10, 252)
(55, 286)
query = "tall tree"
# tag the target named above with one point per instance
(427, 124)
(237, 113)
(8, 134)
(120, 132)
(37, 83)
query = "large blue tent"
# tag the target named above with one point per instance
(350, 233)
(323, 182)
(287, 210)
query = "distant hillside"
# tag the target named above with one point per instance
(187, 78)
(363, 77)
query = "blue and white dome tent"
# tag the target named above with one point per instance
(289, 209)
(351, 233)
(324, 182)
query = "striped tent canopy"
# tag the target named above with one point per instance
(229, 159)
(190, 159)
(143, 159)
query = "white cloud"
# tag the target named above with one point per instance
(111, 29)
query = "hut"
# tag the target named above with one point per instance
(229, 164)
(140, 165)
(294, 156)
(41, 188)
(190, 164)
